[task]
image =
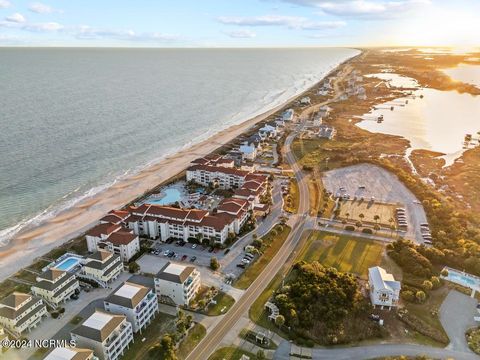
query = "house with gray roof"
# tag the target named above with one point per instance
(137, 302)
(102, 267)
(21, 312)
(108, 335)
(55, 286)
(384, 289)
(177, 282)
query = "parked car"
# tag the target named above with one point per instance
(194, 246)
(184, 257)
(210, 249)
(241, 266)
(226, 251)
(193, 258)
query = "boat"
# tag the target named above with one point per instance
(380, 119)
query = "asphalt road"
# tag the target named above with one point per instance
(208, 345)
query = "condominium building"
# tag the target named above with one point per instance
(384, 290)
(178, 282)
(217, 176)
(114, 238)
(21, 312)
(164, 222)
(102, 267)
(137, 302)
(71, 353)
(108, 335)
(55, 286)
(238, 209)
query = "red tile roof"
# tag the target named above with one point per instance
(121, 238)
(103, 229)
(219, 169)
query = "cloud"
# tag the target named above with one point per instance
(5, 4)
(241, 34)
(40, 8)
(43, 27)
(367, 9)
(16, 18)
(87, 32)
(291, 22)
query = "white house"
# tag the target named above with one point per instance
(248, 150)
(21, 312)
(178, 282)
(114, 238)
(108, 335)
(305, 100)
(384, 290)
(268, 131)
(102, 267)
(55, 286)
(137, 302)
(288, 114)
(71, 353)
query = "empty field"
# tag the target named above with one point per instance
(354, 209)
(343, 252)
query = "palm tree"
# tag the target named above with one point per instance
(361, 216)
(392, 226)
(376, 218)
(347, 215)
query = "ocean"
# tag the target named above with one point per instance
(75, 120)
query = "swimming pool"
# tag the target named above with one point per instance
(171, 195)
(463, 279)
(67, 263)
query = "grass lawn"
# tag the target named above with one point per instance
(8, 286)
(346, 253)
(195, 335)
(350, 210)
(39, 265)
(25, 275)
(230, 353)
(224, 301)
(292, 199)
(272, 242)
(161, 325)
(320, 204)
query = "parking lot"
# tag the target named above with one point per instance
(366, 180)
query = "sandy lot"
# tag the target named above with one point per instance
(382, 185)
(369, 209)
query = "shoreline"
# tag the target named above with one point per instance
(68, 224)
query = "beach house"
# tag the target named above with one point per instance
(71, 353)
(114, 238)
(384, 290)
(288, 114)
(108, 335)
(21, 312)
(177, 282)
(55, 286)
(102, 266)
(238, 209)
(137, 302)
(326, 131)
(248, 150)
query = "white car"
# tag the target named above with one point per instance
(166, 252)
(194, 246)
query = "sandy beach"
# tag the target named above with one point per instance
(32, 243)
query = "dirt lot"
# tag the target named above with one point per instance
(351, 209)
(383, 186)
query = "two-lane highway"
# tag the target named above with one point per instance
(208, 345)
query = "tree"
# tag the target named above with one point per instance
(435, 282)
(376, 218)
(199, 237)
(133, 267)
(361, 216)
(420, 296)
(347, 215)
(214, 264)
(257, 243)
(261, 355)
(408, 295)
(427, 285)
(168, 347)
(280, 320)
(444, 272)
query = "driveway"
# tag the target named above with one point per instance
(384, 186)
(456, 315)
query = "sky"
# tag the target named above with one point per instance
(240, 23)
